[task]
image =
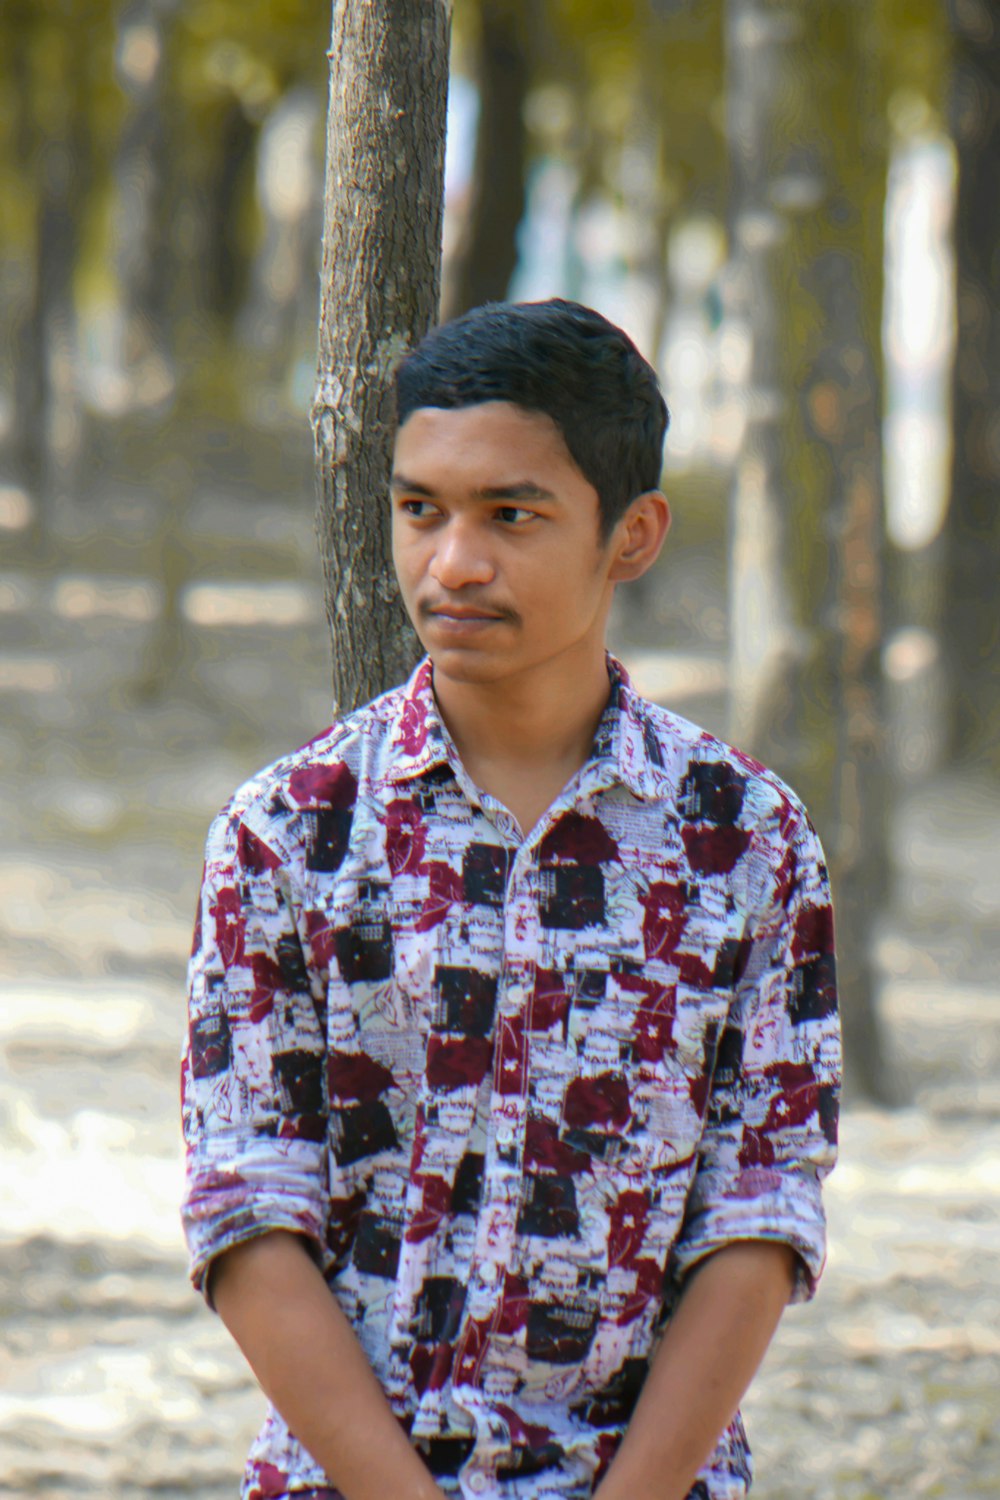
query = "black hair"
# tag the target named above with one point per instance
(562, 359)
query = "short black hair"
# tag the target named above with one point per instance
(560, 358)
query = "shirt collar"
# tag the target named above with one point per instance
(625, 748)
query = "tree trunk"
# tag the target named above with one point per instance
(140, 187)
(807, 190)
(971, 621)
(379, 294)
(51, 137)
(487, 255)
(227, 260)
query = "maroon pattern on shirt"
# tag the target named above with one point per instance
(510, 1084)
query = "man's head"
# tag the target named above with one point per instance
(561, 359)
(524, 481)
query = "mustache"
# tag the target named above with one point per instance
(428, 607)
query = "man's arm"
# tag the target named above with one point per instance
(716, 1339)
(273, 1299)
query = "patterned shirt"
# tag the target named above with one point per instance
(511, 1088)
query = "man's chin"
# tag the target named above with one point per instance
(462, 664)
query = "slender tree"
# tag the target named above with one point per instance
(53, 140)
(971, 621)
(140, 172)
(807, 188)
(487, 254)
(379, 293)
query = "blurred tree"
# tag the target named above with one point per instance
(225, 67)
(629, 99)
(49, 82)
(971, 620)
(808, 178)
(487, 253)
(230, 64)
(379, 293)
(140, 225)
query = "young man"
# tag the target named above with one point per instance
(513, 1063)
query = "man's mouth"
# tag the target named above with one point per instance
(461, 612)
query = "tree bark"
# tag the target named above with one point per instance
(487, 255)
(971, 622)
(807, 189)
(379, 294)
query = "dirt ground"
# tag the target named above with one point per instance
(114, 1379)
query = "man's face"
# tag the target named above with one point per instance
(496, 542)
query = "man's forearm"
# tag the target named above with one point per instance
(273, 1299)
(713, 1345)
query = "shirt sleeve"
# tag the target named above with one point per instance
(253, 1071)
(770, 1135)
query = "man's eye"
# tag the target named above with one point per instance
(418, 509)
(514, 515)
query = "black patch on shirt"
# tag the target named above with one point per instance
(364, 950)
(712, 792)
(464, 1001)
(438, 1310)
(299, 1076)
(376, 1248)
(211, 1045)
(558, 1334)
(730, 961)
(813, 990)
(445, 1455)
(590, 986)
(572, 896)
(468, 1188)
(328, 835)
(549, 1208)
(828, 1107)
(729, 1056)
(484, 874)
(292, 964)
(651, 744)
(363, 1130)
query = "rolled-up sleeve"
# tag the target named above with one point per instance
(253, 1071)
(770, 1135)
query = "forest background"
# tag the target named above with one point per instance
(792, 208)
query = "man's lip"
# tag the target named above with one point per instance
(463, 614)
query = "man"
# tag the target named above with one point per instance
(513, 1061)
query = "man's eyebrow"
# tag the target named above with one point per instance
(400, 482)
(522, 489)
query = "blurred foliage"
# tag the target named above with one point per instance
(602, 80)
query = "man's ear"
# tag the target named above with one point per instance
(638, 537)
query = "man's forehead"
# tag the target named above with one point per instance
(491, 410)
(495, 430)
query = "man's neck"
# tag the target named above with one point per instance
(522, 739)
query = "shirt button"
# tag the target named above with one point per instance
(477, 1481)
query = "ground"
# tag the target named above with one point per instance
(115, 1380)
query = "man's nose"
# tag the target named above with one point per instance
(462, 556)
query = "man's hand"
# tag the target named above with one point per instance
(714, 1342)
(273, 1299)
